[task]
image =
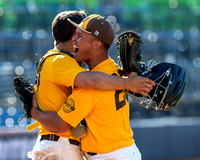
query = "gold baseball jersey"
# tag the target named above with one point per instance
(106, 114)
(55, 80)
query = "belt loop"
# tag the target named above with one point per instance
(50, 137)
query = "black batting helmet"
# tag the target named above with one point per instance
(171, 81)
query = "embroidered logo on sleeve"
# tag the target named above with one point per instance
(69, 106)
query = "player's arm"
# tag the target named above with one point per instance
(49, 120)
(76, 76)
(103, 81)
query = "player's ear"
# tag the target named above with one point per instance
(97, 44)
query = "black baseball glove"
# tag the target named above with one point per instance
(25, 90)
(129, 45)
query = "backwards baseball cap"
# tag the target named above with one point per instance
(98, 26)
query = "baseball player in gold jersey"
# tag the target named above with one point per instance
(57, 74)
(109, 135)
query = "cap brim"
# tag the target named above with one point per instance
(76, 25)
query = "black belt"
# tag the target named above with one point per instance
(53, 137)
(91, 153)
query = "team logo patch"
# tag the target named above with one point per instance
(69, 106)
(96, 33)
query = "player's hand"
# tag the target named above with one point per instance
(138, 84)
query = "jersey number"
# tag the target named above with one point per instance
(120, 104)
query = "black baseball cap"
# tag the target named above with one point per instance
(98, 26)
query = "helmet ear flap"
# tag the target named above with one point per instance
(178, 87)
(171, 81)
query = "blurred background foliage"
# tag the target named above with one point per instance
(169, 28)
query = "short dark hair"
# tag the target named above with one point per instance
(62, 29)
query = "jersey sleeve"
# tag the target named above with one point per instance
(77, 107)
(65, 70)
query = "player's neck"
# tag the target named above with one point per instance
(68, 46)
(96, 59)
